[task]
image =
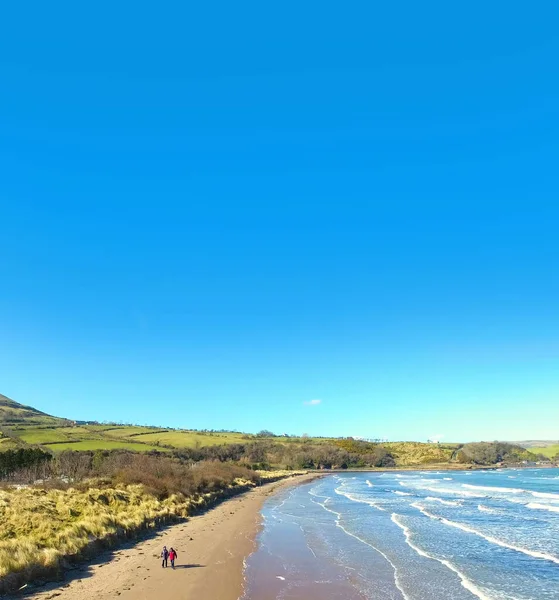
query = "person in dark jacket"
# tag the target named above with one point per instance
(164, 556)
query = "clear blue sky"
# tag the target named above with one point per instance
(213, 215)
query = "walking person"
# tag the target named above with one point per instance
(164, 556)
(173, 556)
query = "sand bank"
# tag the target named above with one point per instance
(211, 549)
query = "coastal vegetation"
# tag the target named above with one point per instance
(90, 501)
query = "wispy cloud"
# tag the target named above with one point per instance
(313, 402)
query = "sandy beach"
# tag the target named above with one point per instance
(211, 551)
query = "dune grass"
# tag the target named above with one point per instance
(41, 530)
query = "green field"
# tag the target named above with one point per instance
(127, 431)
(58, 439)
(549, 451)
(93, 437)
(102, 445)
(191, 439)
(42, 435)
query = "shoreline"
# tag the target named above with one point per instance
(212, 548)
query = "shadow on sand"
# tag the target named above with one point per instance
(86, 568)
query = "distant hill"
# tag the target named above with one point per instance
(549, 448)
(24, 426)
(536, 443)
(13, 413)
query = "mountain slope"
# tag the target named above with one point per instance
(13, 413)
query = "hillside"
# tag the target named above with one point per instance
(13, 413)
(25, 427)
(549, 448)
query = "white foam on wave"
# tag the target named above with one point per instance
(394, 568)
(280, 577)
(446, 502)
(487, 509)
(462, 493)
(447, 478)
(353, 498)
(401, 493)
(369, 483)
(466, 583)
(488, 488)
(489, 538)
(536, 506)
(549, 496)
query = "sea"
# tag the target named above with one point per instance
(456, 535)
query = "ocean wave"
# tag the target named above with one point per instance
(486, 509)
(455, 492)
(419, 484)
(549, 496)
(401, 493)
(447, 478)
(446, 502)
(536, 506)
(339, 525)
(466, 583)
(353, 498)
(489, 538)
(369, 483)
(488, 488)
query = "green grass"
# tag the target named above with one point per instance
(132, 430)
(33, 435)
(189, 439)
(102, 445)
(13, 413)
(549, 451)
(43, 435)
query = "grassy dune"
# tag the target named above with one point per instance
(41, 530)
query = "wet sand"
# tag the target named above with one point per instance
(211, 550)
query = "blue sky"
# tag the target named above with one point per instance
(212, 216)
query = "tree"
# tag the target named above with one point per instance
(265, 433)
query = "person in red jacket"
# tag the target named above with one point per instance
(172, 557)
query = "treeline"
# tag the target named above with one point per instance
(160, 473)
(265, 455)
(306, 455)
(12, 461)
(491, 453)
